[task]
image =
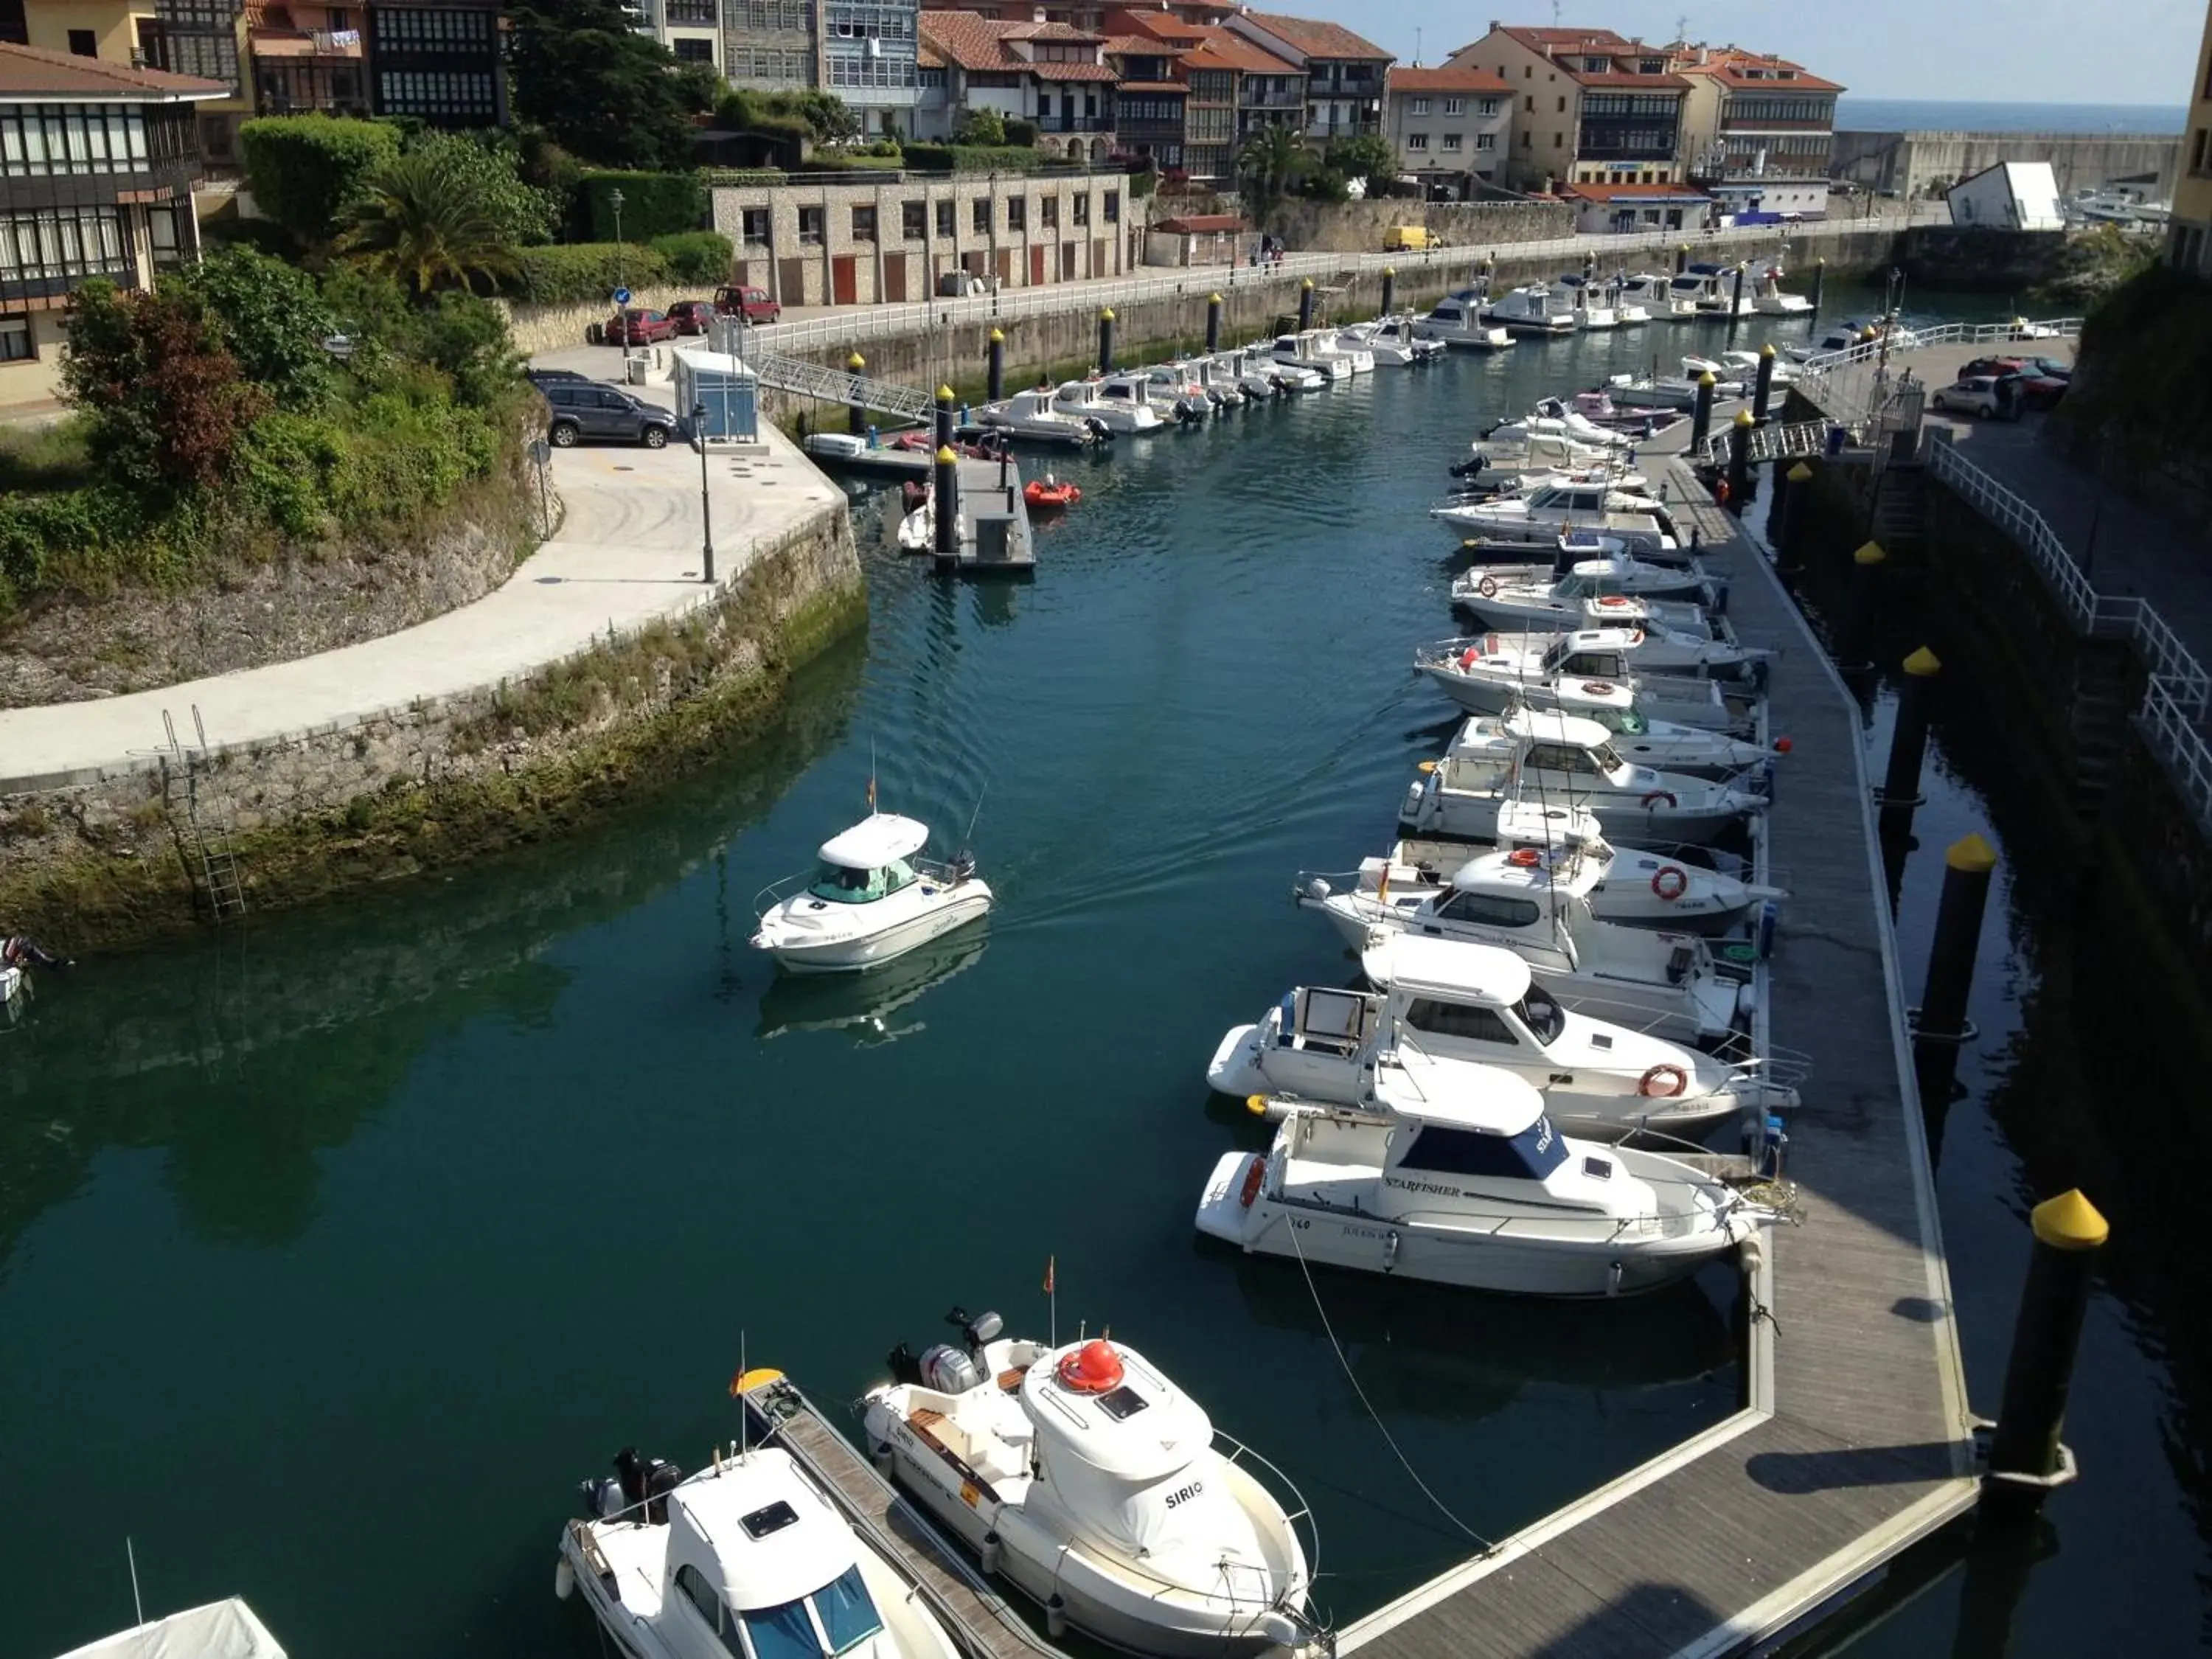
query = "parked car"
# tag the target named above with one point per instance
(542, 378)
(1978, 395)
(629, 328)
(2038, 390)
(752, 304)
(591, 409)
(691, 316)
(1994, 365)
(2052, 367)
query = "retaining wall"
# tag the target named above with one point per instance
(1361, 226)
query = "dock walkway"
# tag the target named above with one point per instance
(1854, 1439)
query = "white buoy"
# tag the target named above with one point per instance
(1055, 1617)
(990, 1553)
(564, 1580)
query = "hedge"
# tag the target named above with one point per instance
(696, 256)
(585, 270)
(301, 168)
(972, 158)
(654, 204)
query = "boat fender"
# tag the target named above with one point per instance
(1254, 1170)
(1663, 1083)
(1770, 913)
(564, 1580)
(1659, 797)
(1781, 745)
(1094, 1368)
(988, 1556)
(1597, 688)
(1487, 588)
(1670, 882)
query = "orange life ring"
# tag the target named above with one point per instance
(1524, 858)
(1660, 1083)
(1487, 588)
(1598, 688)
(1720, 490)
(1253, 1171)
(1094, 1368)
(1658, 795)
(1468, 657)
(1667, 889)
(1613, 601)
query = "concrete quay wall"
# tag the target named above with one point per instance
(1918, 163)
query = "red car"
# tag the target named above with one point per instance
(1994, 365)
(691, 316)
(752, 304)
(629, 328)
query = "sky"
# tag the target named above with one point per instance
(2032, 51)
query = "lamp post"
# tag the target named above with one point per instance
(622, 267)
(706, 506)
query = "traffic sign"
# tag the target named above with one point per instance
(621, 296)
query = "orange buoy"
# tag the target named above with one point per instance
(1094, 1368)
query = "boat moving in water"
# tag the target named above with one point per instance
(871, 900)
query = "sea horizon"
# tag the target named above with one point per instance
(1857, 115)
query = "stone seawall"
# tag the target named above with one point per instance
(537, 328)
(115, 861)
(1361, 226)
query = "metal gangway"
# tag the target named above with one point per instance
(1773, 442)
(838, 385)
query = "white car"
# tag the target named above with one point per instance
(1976, 395)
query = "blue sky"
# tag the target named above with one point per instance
(2032, 51)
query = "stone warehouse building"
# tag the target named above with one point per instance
(904, 239)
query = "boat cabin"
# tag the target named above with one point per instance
(1464, 1001)
(870, 861)
(1124, 391)
(1536, 748)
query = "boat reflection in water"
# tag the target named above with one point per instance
(867, 1003)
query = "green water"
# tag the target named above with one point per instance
(333, 1253)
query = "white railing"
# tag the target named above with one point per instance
(1771, 443)
(836, 386)
(2178, 692)
(1819, 378)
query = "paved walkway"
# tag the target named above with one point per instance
(628, 554)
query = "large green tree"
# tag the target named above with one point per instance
(604, 93)
(166, 403)
(1367, 156)
(271, 317)
(424, 220)
(1267, 164)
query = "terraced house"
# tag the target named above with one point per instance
(1345, 77)
(1053, 74)
(1757, 131)
(1452, 128)
(1593, 107)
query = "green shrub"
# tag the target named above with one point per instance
(585, 270)
(981, 127)
(654, 204)
(1021, 132)
(850, 161)
(303, 169)
(696, 256)
(971, 158)
(272, 317)
(262, 235)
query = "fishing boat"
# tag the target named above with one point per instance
(1710, 288)
(1415, 885)
(1656, 294)
(1542, 754)
(1585, 302)
(1031, 417)
(1393, 342)
(1489, 673)
(1086, 1478)
(1477, 1190)
(1451, 1005)
(1308, 351)
(1128, 411)
(747, 1557)
(873, 899)
(1458, 320)
(1771, 299)
(1542, 516)
(1508, 597)
(1529, 310)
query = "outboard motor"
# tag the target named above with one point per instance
(660, 1479)
(963, 866)
(1100, 432)
(905, 1368)
(635, 1480)
(949, 1370)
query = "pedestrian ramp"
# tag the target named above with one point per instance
(838, 385)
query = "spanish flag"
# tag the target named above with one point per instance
(1048, 1263)
(872, 792)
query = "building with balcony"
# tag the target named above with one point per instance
(305, 55)
(1452, 128)
(1053, 74)
(1346, 75)
(438, 62)
(769, 46)
(1757, 131)
(79, 28)
(869, 59)
(2188, 231)
(206, 39)
(97, 165)
(1593, 107)
(1222, 85)
(1148, 101)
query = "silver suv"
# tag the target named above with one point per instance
(1978, 394)
(592, 409)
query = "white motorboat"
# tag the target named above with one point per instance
(1346, 343)
(1451, 1005)
(1669, 392)
(1394, 342)
(1414, 885)
(1223, 377)
(917, 531)
(1542, 451)
(1084, 1476)
(1510, 597)
(1489, 673)
(1031, 417)
(1177, 394)
(1294, 378)
(1655, 294)
(1710, 288)
(1251, 371)
(873, 899)
(1743, 367)
(1309, 352)
(1589, 304)
(1543, 514)
(1552, 758)
(1597, 407)
(1480, 1191)
(220, 1630)
(747, 1557)
(1458, 320)
(1771, 299)
(1647, 740)
(1529, 310)
(1130, 410)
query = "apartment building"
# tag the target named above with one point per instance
(78, 28)
(1053, 74)
(690, 29)
(98, 160)
(1223, 84)
(1593, 107)
(1452, 128)
(307, 55)
(1346, 75)
(1757, 130)
(2189, 232)
(770, 45)
(438, 62)
(870, 58)
(1148, 100)
(857, 243)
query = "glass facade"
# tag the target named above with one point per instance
(438, 63)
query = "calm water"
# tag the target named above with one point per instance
(330, 1257)
(1913, 115)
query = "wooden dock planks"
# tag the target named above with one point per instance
(1865, 1447)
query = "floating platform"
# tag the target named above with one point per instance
(994, 521)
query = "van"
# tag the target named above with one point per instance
(1409, 239)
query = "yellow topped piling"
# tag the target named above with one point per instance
(2070, 1222)
(1971, 854)
(1743, 418)
(996, 337)
(944, 394)
(1767, 350)
(1107, 315)
(946, 457)
(856, 362)
(1800, 473)
(1706, 380)
(1923, 663)
(1213, 299)
(1870, 553)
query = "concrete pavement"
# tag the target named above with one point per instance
(628, 554)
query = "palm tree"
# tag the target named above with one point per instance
(423, 221)
(1268, 162)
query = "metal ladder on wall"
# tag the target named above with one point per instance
(206, 836)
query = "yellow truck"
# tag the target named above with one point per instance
(1410, 239)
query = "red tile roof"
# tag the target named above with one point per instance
(1635, 193)
(1564, 45)
(1445, 78)
(27, 72)
(1135, 46)
(1049, 32)
(1318, 39)
(1100, 72)
(1729, 65)
(979, 43)
(1222, 50)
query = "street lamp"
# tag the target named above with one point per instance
(622, 263)
(705, 507)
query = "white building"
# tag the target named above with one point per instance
(2010, 196)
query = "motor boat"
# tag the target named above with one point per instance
(747, 1556)
(1771, 299)
(917, 531)
(1543, 514)
(1451, 1004)
(1458, 320)
(1550, 757)
(1414, 885)
(1541, 451)
(1595, 406)
(1646, 740)
(1489, 673)
(1177, 394)
(229, 1628)
(1049, 493)
(1130, 409)
(1743, 367)
(1134, 389)
(1251, 371)
(1031, 417)
(1307, 351)
(1510, 596)
(1710, 288)
(1529, 310)
(873, 899)
(1587, 303)
(1393, 342)
(1295, 378)
(1477, 1190)
(1354, 347)
(1083, 1476)
(1669, 391)
(1656, 294)
(1558, 422)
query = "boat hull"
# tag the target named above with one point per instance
(858, 953)
(1430, 810)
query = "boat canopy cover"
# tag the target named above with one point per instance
(758, 1532)
(1415, 965)
(1527, 821)
(1545, 726)
(880, 839)
(1143, 1429)
(1458, 1094)
(220, 1629)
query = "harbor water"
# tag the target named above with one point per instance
(334, 1252)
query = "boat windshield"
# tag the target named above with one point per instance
(845, 1611)
(848, 1612)
(784, 1632)
(1626, 721)
(1608, 757)
(1541, 1015)
(841, 883)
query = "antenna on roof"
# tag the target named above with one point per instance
(1417, 48)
